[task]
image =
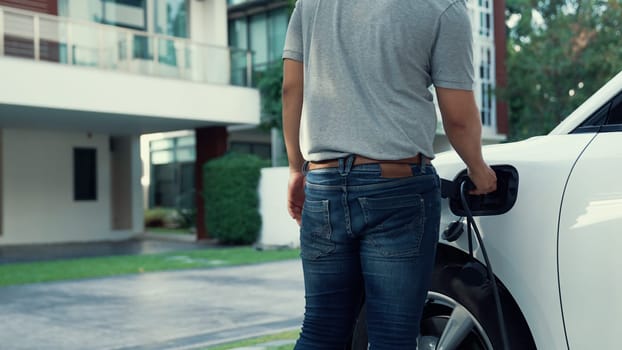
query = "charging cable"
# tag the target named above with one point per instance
(478, 236)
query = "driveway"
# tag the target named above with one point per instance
(162, 310)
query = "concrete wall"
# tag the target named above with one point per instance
(208, 22)
(38, 194)
(1, 184)
(278, 228)
(36, 84)
(208, 25)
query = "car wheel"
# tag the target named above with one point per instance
(439, 312)
(460, 312)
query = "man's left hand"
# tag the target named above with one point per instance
(296, 195)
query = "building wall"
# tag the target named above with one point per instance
(38, 194)
(208, 21)
(1, 184)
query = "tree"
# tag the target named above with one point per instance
(269, 84)
(559, 53)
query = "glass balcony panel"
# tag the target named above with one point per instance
(170, 62)
(50, 40)
(83, 43)
(239, 67)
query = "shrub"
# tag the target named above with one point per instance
(231, 198)
(159, 217)
(185, 209)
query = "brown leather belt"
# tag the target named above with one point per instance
(389, 168)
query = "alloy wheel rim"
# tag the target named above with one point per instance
(448, 323)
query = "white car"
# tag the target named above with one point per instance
(556, 254)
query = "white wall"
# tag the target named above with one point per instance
(38, 194)
(52, 85)
(209, 26)
(208, 22)
(126, 193)
(278, 228)
(1, 184)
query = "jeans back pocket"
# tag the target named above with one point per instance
(394, 225)
(315, 230)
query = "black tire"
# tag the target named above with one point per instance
(457, 282)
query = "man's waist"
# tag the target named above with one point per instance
(389, 167)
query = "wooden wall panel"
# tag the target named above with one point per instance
(42, 6)
(24, 47)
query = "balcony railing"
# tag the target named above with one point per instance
(50, 38)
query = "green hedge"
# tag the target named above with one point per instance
(231, 199)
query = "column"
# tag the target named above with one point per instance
(211, 142)
(500, 56)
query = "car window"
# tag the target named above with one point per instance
(608, 118)
(595, 121)
(615, 113)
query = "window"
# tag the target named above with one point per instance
(486, 84)
(261, 150)
(236, 2)
(606, 119)
(125, 13)
(482, 20)
(615, 113)
(172, 172)
(238, 38)
(84, 174)
(485, 17)
(171, 17)
(259, 39)
(594, 122)
(277, 29)
(263, 34)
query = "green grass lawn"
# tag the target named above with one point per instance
(289, 335)
(23, 273)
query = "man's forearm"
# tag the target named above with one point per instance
(291, 126)
(462, 124)
(465, 139)
(292, 110)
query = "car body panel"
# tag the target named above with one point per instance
(590, 238)
(522, 244)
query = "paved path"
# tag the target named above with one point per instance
(162, 310)
(144, 244)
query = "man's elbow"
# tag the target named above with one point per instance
(291, 89)
(455, 123)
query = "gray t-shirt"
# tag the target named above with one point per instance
(368, 66)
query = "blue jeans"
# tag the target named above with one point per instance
(365, 235)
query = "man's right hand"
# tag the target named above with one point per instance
(484, 179)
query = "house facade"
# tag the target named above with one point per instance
(82, 80)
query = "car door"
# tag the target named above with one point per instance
(590, 237)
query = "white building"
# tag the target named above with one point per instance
(81, 80)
